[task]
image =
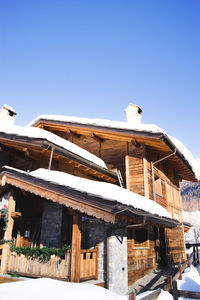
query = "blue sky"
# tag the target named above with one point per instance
(90, 58)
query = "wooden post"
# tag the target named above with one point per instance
(169, 279)
(175, 290)
(188, 260)
(179, 271)
(8, 235)
(197, 250)
(194, 256)
(76, 249)
(132, 296)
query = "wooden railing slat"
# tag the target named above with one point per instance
(54, 268)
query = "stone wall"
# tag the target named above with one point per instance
(117, 260)
(112, 259)
(51, 229)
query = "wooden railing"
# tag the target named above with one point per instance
(1, 248)
(54, 268)
(172, 284)
(89, 264)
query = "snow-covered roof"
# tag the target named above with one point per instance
(32, 132)
(104, 190)
(98, 122)
(150, 128)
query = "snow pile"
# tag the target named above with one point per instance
(50, 289)
(37, 133)
(127, 126)
(164, 296)
(190, 280)
(102, 189)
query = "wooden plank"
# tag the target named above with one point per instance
(132, 296)
(189, 294)
(8, 235)
(76, 249)
(7, 279)
(32, 267)
(174, 290)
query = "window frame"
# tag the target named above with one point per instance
(158, 182)
(143, 245)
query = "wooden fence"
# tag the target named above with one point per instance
(54, 268)
(172, 283)
(89, 264)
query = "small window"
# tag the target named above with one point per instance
(140, 238)
(158, 186)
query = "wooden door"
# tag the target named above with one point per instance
(163, 256)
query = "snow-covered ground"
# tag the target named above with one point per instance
(190, 282)
(49, 289)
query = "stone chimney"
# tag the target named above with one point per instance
(133, 114)
(7, 115)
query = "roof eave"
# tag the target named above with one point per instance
(110, 206)
(46, 144)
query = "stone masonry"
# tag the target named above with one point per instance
(51, 225)
(112, 260)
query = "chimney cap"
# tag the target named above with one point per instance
(136, 106)
(9, 109)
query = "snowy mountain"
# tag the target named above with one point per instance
(190, 194)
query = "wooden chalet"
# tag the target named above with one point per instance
(115, 236)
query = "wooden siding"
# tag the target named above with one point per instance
(112, 152)
(175, 243)
(171, 200)
(135, 170)
(140, 261)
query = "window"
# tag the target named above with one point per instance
(158, 186)
(140, 238)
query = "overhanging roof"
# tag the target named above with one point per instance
(82, 200)
(148, 134)
(21, 139)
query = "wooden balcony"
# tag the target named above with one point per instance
(26, 266)
(56, 267)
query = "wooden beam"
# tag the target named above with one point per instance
(96, 138)
(76, 249)
(8, 235)
(135, 143)
(72, 134)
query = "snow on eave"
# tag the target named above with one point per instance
(98, 122)
(149, 128)
(107, 191)
(37, 133)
